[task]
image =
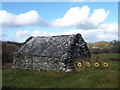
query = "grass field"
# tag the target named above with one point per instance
(87, 78)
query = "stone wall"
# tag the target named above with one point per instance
(27, 62)
(56, 53)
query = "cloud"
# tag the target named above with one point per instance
(28, 18)
(90, 24)
(98, 16)
(73, 17)
(109, 27)
(21, 33)
(38, 33)
(6, 18)
(105, 32)
(81, 18)
(42, 33)
(96, 19)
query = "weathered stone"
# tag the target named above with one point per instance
(56, 53)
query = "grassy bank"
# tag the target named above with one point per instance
(88, 78)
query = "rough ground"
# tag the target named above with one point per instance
(87, 78)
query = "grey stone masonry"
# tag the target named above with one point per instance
(55, 53)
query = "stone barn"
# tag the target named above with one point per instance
(55, 53)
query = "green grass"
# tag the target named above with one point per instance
(88, 78)
(104, 56)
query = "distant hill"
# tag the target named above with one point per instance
(8, 48)
(104, 47)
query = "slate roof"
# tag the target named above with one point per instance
(54, 46)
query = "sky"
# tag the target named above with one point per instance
(95, 21)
